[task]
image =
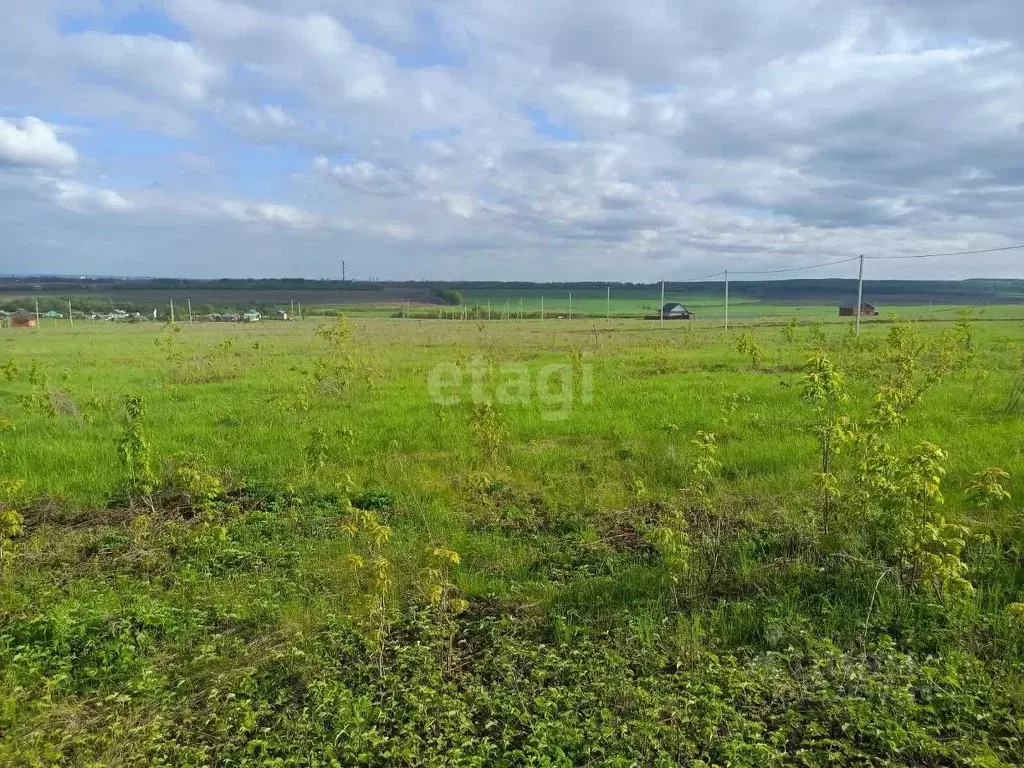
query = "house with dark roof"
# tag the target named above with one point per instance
(673, 311)
(866, 310)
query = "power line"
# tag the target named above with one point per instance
(951, 253)
(793, 269)
(702, 277)
(786, 270)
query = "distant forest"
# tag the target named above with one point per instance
(99, 294)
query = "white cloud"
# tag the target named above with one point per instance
(268, 213)
(609, 101)
(312, 52)
(462, 206)
(147, 65)
(75, 196)
(34, 143)
(367, 178)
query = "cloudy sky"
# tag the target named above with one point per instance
(509, 139)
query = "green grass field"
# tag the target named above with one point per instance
(418, 542)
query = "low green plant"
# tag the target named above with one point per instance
(10, 370)
(370, 562)
(748, 345)
(337, 335)
(436, 580)
(134, 450)
(964, 335)
(988, 488)
(379, 501)
(1015, 396)
(789, 331)
(202, 487)
(818, 338)
(706, 466)
(823, 388)
(687, 555)
(316, 449)
(488, 427)
(12, 524)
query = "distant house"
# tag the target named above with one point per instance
(673, 311)
(866, 310)
(252, 316)
(282, 315)
(21, 319)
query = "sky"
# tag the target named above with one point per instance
(510, 139)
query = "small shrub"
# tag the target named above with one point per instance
(10, 370)
(377, 501)
(201, 486)
(12, 524)
(748, 345)
(488, 428)
(135, 451)
(789, 331)
(988, 489)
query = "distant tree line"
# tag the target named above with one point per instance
(99, 294)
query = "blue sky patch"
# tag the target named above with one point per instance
(544, 126)
(429, 49)
(140, 22)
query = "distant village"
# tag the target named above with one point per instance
(23, 318)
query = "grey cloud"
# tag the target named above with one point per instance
(537, 158)
(612, 203)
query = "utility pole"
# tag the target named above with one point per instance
(860, 291)
(300, 311)
(343, 270)
(292, 313)
(190, 311)
(37, 313)
(71, 315)
(542, 306)
(488, 309)
(608, 305)
(570, 305)
(662, 313)
(172, 311)
(727, 299)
